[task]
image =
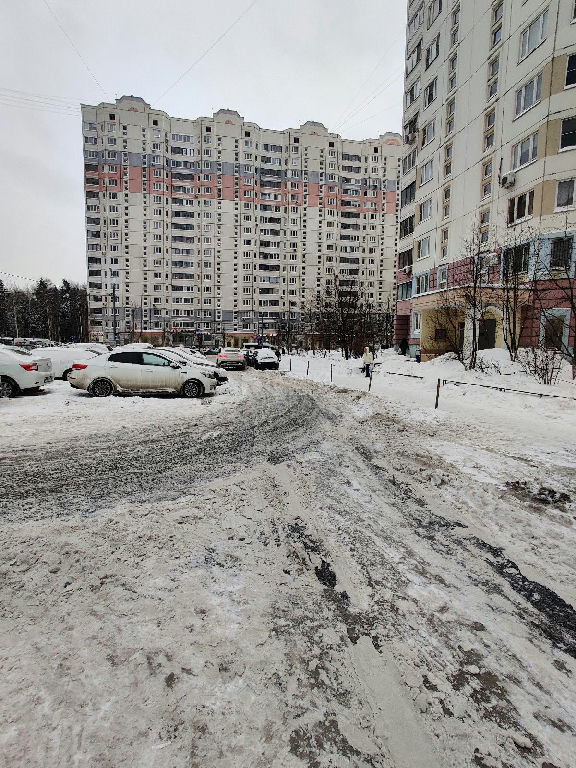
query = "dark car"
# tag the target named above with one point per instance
(265, 358)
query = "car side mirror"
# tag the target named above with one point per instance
(174, 365)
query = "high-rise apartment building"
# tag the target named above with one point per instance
(488, 166)
(220, 227)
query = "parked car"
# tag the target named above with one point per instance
(141, 371)
(31, 343)
(210, 351)
(229, 357)
(93, 346)
(266, 358)
(191, 357)
(62, 358)
(250, 355)
(19, 371)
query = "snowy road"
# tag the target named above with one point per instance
(284, 575)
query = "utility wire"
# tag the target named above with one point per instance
(374, 96)
(31, 95)
(26, 101)
(67, 36)
(207, 51)
(344, 114)
(20, 277)
(40, 108)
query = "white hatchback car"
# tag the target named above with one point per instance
(141, 371)
(20, 371)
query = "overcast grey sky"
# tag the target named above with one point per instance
(339, 62)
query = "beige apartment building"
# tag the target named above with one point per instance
(215, 227)
(489, 159)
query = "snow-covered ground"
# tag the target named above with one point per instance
(290, 575)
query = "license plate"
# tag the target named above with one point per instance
(48, 379)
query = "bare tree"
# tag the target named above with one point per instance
(556, 297)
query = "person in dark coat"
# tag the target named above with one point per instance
(403, 346)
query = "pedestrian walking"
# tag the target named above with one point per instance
(367, 361)
(403, 346)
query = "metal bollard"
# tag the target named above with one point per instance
(331, 367)
(307, 367)
(437, 393)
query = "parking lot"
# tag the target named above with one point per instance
(281, 574)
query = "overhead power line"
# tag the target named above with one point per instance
(374, 96)
(37, 107)
(19, 277)
(207, 51)
(44, 97)
(74, 47)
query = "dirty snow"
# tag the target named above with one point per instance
(289, 575)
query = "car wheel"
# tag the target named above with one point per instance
(65, 374)
(101, 388)
(8, 388)
(192, 388)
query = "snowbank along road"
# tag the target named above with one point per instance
(282, 576)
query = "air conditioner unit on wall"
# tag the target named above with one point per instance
(508, 179)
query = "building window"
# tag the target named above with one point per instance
(446, 203)
(409, 162)
(496, 36)
(415, 22)
(561, 253)
(404, 290)
(406, 226)
(489, 140)
(452, 73)
(424, 248)
(497, 13)
(533, 35)
(447, 159)
(426, 172)
(434, 10)
(412, 93)
(554, 328)
(408, 194)
(442, 278)
(528, 95)
(430, 92)
(492, 88)
(516, 259)
(568, 134)
(422, 283)
(571, 71)
(484, 218)
(428, 133)
(415, 323)
(487, 189)
(426, 209)
(520, 207)
(525, 151)
(433, 51)
(414, 58)
(494, 67)
(565, 194)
